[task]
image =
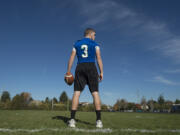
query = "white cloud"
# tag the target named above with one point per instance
(172, 48)
(101, 12)
(95, 13)
(154, 36)
(97, 19)
(173, 71)
(161, 79)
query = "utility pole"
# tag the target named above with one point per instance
(0, 94)
(119, 104)
(52, 104)
(68, 104)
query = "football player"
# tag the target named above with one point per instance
(87, 51)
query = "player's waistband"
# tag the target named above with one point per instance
(86, 63)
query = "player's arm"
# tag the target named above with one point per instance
(71, 60)
(99, 61)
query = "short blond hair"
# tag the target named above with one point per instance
(88, 31)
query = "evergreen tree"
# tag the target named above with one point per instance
(55, 101)
(177, 101)
(5, 96)
(63, 97)
(47, 100)
(161, 100)
(17, 102)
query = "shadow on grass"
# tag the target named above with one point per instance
(65, 119)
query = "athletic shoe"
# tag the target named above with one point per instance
(72, 123)
(99, 124)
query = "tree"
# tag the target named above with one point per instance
(131, 106)
(115, 107)
(5, 96)
(120, 105)
(70, 104)
(168, 105)
(104, 107)
(17, 102)
(123, 104)
(63, 97)
(7, 104)
(143, 103)
(55, 101)
(151, 103)
(86, 108)
(27, 97)
(161, 102)
(47, 100)
(156, 107)
(177, 101)
(47, 104)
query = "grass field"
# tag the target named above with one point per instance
(27, 122)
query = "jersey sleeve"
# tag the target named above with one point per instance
(74, 49)
(97, 47)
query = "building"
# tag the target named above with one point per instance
(175, 108)
(84, 103)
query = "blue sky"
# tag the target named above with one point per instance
(140, 46)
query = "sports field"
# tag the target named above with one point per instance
(27, 122)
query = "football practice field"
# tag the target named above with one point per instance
(29, 122)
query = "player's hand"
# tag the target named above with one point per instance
(101, 77)
(65, 79)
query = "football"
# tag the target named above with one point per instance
(69, 79)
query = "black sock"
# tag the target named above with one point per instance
(98, 114)
(73, 113)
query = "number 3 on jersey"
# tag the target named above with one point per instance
(85, 48)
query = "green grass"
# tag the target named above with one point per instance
(47, 120)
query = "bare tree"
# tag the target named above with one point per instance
(144, 103)
(122, 104)
(151, 104)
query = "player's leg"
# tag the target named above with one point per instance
(97, 104)
(79, 84)
(75, 103)
(94, 88)
(96, 99)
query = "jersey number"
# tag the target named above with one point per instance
(85, 48)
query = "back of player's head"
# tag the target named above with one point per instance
(88, 31)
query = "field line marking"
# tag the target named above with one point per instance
(149, 130)
(103, 130)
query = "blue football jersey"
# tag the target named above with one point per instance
(86, 50)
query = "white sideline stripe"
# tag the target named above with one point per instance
(58, 129)
(105, 130)
(150, 131)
